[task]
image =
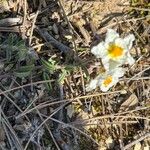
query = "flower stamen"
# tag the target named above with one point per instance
(115, 51)
(107, 81)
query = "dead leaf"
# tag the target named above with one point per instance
(4, 6)
(55, 28)
(137, 146)
(69, 37)
(70, 110)
(146, 147)
(79, 22)
(131, 102)
(110, 142)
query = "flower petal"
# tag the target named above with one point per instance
(99, 50)
(111, 35)
(113, 64)
(129, 40)
(92, 85)
(115, 74)
(105, 61)
(130, 60)
(119, 72)
(106, 88)
(120, 42)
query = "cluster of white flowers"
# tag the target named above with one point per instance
(114, 52)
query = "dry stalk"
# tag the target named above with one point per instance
(128, 146)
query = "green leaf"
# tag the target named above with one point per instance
(49, 65)
(22, 51)
(62, 76)
(15, 48)
(24, 71)
(48, 84)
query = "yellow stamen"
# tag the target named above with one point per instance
(115, 51)
(107, 81)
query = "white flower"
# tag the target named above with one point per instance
(93, 84)
(106, 80)
(110, 78)
(114, 51)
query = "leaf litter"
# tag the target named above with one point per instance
(45, 64)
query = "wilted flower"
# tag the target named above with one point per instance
(115, 50)
(106, 80)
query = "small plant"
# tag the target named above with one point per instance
(17, 56)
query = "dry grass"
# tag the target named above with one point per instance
(45, 64)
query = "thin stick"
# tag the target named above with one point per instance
(10, 100)
(7, 22)
(58, 109)
(115, 116)
(24, 18)
(25, 85)
(69, 25)
(46, 125)
(140, 9)
(62, 101)
(138, 74)
(101, 30)
(48, 38)
(50, 117)
(18, 144)
(136, 141)
(33, 24)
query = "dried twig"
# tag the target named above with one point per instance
(128, 146)
(26, 85)
(33, 23)
(24, 18)
(47, 127)
(58, 109)
(8, 22)
(67, 125)
(103, 29)
(69, 25)
(138, 74)
(13, 135)
(48, 38)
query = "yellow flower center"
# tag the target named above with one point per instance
(107, 81)
(115, 51)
